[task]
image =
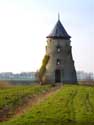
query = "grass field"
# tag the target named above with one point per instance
(70, 104)
(16, 96)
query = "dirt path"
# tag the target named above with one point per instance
(27, 104)
(35, 100)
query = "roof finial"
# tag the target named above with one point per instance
(58, 16)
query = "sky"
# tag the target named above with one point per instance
(24, 25)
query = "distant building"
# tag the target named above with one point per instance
(19, 76)
(83, 76)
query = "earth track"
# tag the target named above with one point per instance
(70, 105)
(89, 106)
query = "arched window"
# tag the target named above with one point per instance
(58, 49)
(58, 62)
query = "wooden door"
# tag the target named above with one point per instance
(57, 75)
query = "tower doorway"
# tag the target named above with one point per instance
(57, 75)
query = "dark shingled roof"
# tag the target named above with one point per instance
(59, 32)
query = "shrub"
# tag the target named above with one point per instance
(43, 68)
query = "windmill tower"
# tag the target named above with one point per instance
(60, 67)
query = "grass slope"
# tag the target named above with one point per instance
(71, 104)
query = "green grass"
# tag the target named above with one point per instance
(13, 97)
(71, 104)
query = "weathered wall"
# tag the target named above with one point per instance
(66, 66)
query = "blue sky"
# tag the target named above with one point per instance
(24, 25)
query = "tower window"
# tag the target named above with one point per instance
(58, 62)
(58, 49)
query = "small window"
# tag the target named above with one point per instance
(58, 49)
(58, 62)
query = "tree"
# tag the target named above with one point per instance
(42, 69)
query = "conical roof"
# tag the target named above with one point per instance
(59, 32)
